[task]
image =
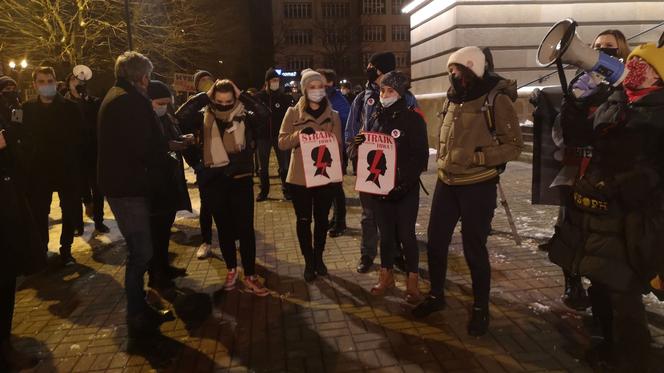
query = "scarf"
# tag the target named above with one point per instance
(216, 146)
(635, 95)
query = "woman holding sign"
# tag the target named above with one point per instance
(312, 131)
(396, 208)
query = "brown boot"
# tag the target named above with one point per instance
(385, 281)
(16, 360)
(413, 295)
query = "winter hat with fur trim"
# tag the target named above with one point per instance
(308, 76)
(471, 57)
(652, 55)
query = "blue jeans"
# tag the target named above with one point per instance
(133, 217)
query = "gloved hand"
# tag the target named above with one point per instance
(308, 131)
(585, 86)
(359, 139)
(397, 193)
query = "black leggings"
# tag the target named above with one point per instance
(314, 202)
(398, 218)
(7, 297)
(231, 202)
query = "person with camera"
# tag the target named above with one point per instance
(312, 113)
(231, 119)
(479, 134)
(397, 212)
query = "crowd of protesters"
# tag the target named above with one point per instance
(130, 149)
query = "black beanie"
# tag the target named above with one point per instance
(271, 73)
(157, 89)
(385, 62)
(6, 81)
(397, 81)
(200, 74)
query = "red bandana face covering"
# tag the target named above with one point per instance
(637, 73)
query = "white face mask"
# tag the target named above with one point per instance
(344, 91)
(388, 101)
(316, 95)
(161, 110)
(274, 86)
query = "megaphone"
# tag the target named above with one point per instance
(82, 73)
(562, 44)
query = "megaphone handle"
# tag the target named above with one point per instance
(562, 77)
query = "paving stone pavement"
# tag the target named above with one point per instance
(73, 317)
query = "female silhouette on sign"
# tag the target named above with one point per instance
(322, 160)
(377, 166)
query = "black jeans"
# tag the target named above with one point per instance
(398, 218)
(7, 297)
(474, 204)
(231, 202)
(91, 193)
(160, 227)
(339, 204)
(310, 202)
(205, 220)
(264, 148)
(40, 201)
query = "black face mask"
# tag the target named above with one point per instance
(11, 97)
(372, 74)
(223, 107)
(456, 83)
(613, 52)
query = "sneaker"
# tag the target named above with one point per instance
(255, 286)
(66, 258)
(430, 305)
(479, 321)
(102, 228)
(204, 251)
(261, 198)
(231, 279)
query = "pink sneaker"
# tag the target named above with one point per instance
(255, 286)
(231, 279)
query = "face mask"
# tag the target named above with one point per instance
(274, 86)
(10, 96)
(457, 83)
(372, 74)
(637, 74)
(344, 91)
(205, 86)
(330, 91)
(49, 90)
(161, 110)
(613, 52)
(220, 107)
(316, 95)
(388, 101)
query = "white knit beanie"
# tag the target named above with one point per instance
(308, 76)
(470, 57)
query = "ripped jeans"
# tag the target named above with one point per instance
(314, 202)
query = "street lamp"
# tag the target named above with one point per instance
(12, 64)
(24, 63)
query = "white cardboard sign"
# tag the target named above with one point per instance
(376, 164)
(321, 159)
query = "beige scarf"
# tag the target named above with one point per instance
(216, 146)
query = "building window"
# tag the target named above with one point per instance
(373, 7)
(397, 5)
(403, 59)
(373, 33)
(400, 32)
(299, 37)
(297, 10)
(336, 9)
(366, 56)
(337, 37)
(299, 63)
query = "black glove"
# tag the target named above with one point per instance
(308, 131)
(397, 193)
(359, 139)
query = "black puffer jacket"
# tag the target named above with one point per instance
(277, 104)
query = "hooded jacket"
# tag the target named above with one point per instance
(468, 152)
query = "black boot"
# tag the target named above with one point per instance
(575, 296)
(428, 306)
(309, 267)
(479, 321)
(321, 269)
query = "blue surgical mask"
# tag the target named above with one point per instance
(49, 90)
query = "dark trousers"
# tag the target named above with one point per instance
(231, 202)
(339, 204)
(312, 202)
(398, 218)
(474, 205)
(369, 243)
(160, 228)
(264, 148)
(7, 297)
(40, 201)
(205, 220)
(133, 217)
(91, 193)
(622, 317)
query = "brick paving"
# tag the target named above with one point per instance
(74, 317)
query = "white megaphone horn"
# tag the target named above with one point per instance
(561, 44)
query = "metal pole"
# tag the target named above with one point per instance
(130, 44)
(510, 220)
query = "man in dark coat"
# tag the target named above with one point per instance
(132, 167)
(278, 102)
(51, 126)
